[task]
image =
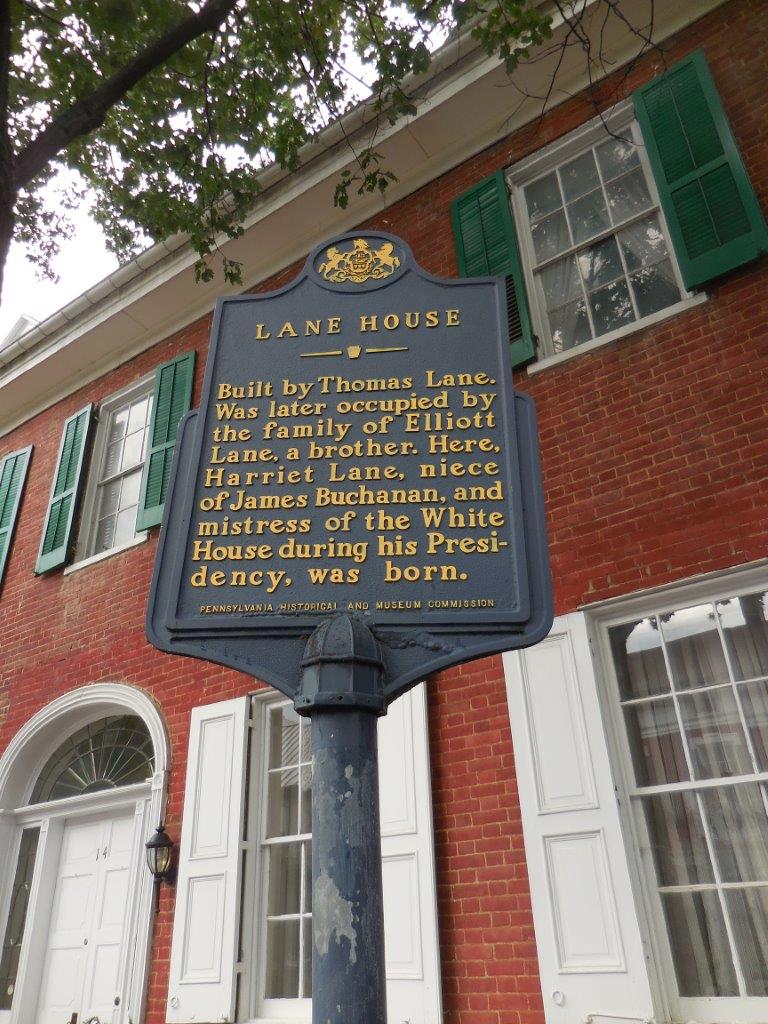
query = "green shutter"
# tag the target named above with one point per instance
(59, 522)
(486, 244)
(13, 472)
(171, 399)
(711, 208)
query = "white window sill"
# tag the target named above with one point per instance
(140, 538)
(622, 332)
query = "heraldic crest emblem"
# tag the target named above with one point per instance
(359, 264)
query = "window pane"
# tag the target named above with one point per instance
(693, 645)
(112, 460)
(306, 946)
(560, 283)
(655, 288)
(117, 425)
(282, 981)
(306, 799)
(283, 803)
(125, 527)
(754, 701)
(306, 739)
(627, 196)
(678, 840)
(643, 244)
(748, 911)
(616, 157)
(639, 659)
(17, 915)
(109, 498)
(550, 236)
(137, 418)
(283, 736)
(579, 176)
(307, 868)
(739, 828)
(600, 264)
(129, 495)
(611, 307)
(543, 197)
(700, 949)
(745, 629)
(284, 894)
(132, 450)
(715, 736)
(588, 216)
(105, 533)
(655, 742)
(569, 326)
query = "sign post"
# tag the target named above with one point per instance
(357, 504)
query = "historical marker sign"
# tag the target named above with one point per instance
(359, 448)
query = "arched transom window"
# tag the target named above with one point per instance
(111, 752)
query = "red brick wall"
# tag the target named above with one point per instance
(655, 460)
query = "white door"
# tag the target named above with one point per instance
(82, 960)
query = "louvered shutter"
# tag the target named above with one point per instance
(711, 208)
(172, 398)
(486, 244)
(13, 472)
(59, 522)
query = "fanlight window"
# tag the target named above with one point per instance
(111, 752)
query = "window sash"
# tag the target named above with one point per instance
(97, 479)
(543, 163)
(749, 1005)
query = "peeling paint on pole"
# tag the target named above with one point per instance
(334, 916)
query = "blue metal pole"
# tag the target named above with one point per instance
(348, 977)
(342, 690)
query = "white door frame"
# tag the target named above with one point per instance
(20, 767)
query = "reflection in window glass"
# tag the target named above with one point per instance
(288, 855)
(17, 915)
(693, 646)
(744, 621)
(119, 475)
(656, 743)
(700, 943)
(597, 208)
(639, 658)
(693, 683)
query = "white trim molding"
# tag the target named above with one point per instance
(20, 765)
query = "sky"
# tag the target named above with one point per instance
(83, 261)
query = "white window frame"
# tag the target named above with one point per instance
(619, 121)
(86, 538)
(601, 617)
(253, 1005)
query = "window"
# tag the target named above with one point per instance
(130, 467)
(107, 754)
(608, 227)
(692, 688)
(120, 450)
(597, 251)
(281, 769)
(243, 893)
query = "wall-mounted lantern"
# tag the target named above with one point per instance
(160, 860)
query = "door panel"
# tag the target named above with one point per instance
(83, 954)
(72, 910)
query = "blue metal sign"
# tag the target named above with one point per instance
(359, 449)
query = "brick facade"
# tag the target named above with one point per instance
(655, 461)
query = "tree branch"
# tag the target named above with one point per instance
(88, 114)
